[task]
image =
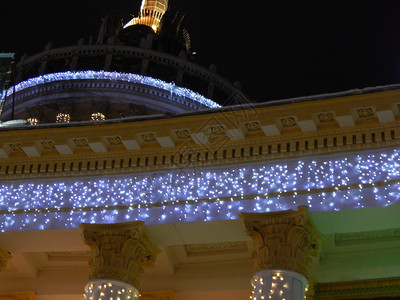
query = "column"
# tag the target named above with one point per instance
(284, 243)
(4, 257)
(119, 253)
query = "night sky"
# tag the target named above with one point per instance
(276, 49)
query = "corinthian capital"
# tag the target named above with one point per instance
(283, 239)
(4, 257)
(119, 250)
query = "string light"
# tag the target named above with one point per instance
(33, 121)
(98, 116)
(278, 285)
(327, 183)
(107, 289)
(63, 118)
(115, 76)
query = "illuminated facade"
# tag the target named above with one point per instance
(145, 170)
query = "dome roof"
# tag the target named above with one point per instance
(130, 71)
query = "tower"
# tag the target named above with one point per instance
(151, 12)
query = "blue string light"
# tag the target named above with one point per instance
(115, 76)
(325, 183)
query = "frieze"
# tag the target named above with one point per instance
(383, 287)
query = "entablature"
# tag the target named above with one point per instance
(215, 137)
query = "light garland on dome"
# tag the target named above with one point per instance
(326, 183)
(115, 76)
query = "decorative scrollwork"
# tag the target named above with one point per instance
(119, 250)
(283, 239)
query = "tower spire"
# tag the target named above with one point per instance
(151, 12)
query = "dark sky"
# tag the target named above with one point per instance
(276, 49)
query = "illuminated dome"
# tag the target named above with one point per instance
(143, 68)
(59, 96)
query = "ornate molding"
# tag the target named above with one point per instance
(385, 287)
(283, 239)
(119, 250)
(18, 296)
(4, 257)
(158, 295)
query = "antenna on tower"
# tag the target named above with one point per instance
(151, 12)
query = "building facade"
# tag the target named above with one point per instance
(123, 147)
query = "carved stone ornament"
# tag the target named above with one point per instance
(214, 130)
(47, 145)
(15, 147)
(365, 112)
(80, 142)
(182, 134)
(148, 137)
(4, 257)
(326, 117)
(288, 122)
(283, 239)
(119, 250)
(252, 126)
(114, 140)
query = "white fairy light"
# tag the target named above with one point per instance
(328, 183)
(278, 285)
(115, 76)
(109, 289)
(63, 118)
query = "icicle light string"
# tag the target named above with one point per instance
(324, 184)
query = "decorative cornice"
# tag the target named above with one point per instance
(25, 153)
(4, 257)
(283, 239)
(158, 295)
(119, 250)
(365, 289)
(230, 135)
